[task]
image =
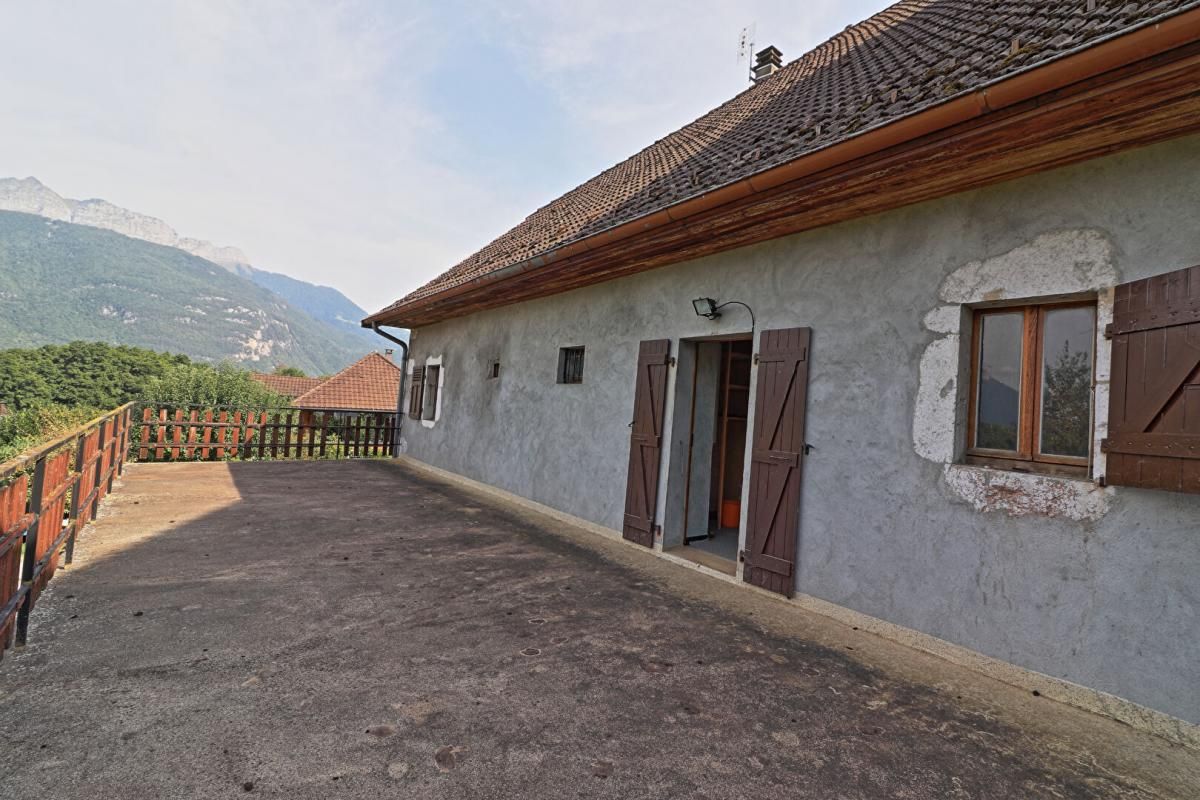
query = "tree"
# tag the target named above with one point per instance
(294, 372)
(93, 374)
(209, 387)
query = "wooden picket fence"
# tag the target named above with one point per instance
(195, 434)
(39, 522)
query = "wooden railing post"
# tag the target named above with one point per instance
(77, 495)
(101, 445)
(29, 563)
(144, 451)
(118, 437)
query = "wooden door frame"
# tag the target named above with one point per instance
(696, 341)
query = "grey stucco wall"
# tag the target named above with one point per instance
(1109, 600)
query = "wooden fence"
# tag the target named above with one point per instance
(70, 476)
(213, 434)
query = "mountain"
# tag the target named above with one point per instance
(31, 196)
(61, 281)
(323, 302)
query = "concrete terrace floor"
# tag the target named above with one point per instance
(356, 630)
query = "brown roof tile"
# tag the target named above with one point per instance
(907, 58)
(370, 384)
(287, 385)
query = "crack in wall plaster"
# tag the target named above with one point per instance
(1055, 263)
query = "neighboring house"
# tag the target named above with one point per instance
(370, 385)
(289, 386)
(927, 229)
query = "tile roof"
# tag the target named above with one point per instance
(905, 59)
(287, 385)
(370, 384)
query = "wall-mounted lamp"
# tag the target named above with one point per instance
(707, 307)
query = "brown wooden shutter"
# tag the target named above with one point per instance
(645, 440)
(773, 520)
(416, 393)
(1154, 410)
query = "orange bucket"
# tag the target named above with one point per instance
(731, 513)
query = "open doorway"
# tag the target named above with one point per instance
(715, 460)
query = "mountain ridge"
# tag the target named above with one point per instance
(61, 281)
(30, 196)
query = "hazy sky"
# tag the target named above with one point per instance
(364, 145)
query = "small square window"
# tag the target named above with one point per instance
(570, 365)
(1031, 387)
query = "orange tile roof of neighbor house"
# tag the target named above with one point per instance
(370, 384)
(907, 59)
(286, 385)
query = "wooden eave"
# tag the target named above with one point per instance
(1131, 91)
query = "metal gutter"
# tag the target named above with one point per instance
(399, 395)
(1152, 38)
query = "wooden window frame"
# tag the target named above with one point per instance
(1027, 457)
(431, 392)
(565, 359)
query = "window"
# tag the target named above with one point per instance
(570, 365)
(433, 375)
(493, 370)
(1031, 387)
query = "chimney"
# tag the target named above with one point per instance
(388, 354)
(766, 62)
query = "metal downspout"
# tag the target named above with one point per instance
(403, 374)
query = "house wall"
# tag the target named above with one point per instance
(1096, 586)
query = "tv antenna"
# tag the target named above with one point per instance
(745, 52)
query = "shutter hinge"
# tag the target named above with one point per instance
(1108, 331)
(657, 531)
(742, 555)
(671, 361)
(756, 359)
(1101, 482)
(1104, 445)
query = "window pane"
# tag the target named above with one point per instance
(433, 376)
(1067, 381)
(998, 404)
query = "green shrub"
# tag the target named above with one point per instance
(26, 429)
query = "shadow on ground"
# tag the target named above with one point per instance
(350, 629)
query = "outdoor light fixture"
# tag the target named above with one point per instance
(707, 307)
